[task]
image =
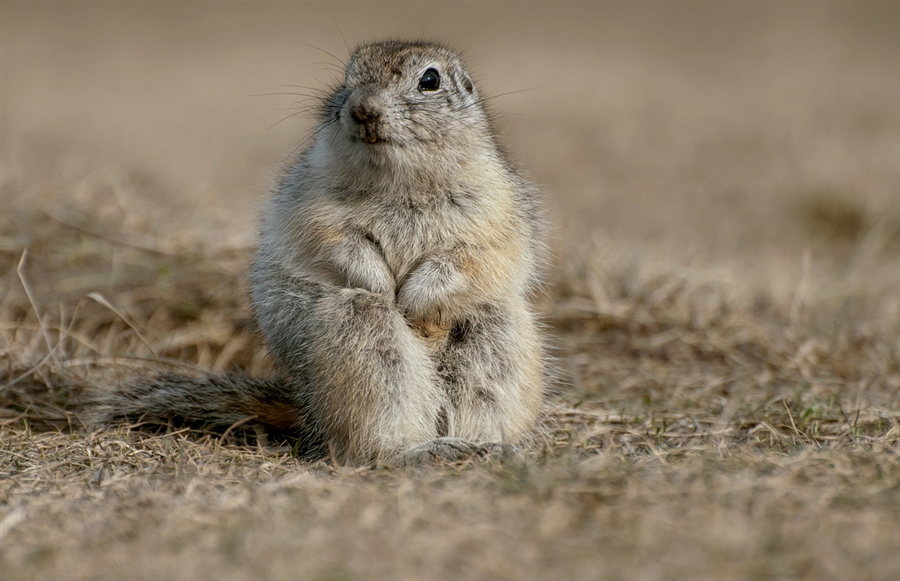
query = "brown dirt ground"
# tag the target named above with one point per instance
(724, 299)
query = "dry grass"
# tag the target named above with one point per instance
(723, 412)
(695, 437)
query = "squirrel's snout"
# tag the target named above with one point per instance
(368, 116)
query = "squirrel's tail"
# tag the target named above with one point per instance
(213, 401)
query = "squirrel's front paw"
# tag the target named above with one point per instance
(361, 262)
(427, 290)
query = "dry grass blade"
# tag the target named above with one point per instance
(102, 300)
(30, 295)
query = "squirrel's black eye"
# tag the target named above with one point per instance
(430, 80)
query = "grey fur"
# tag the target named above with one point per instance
(392, 282)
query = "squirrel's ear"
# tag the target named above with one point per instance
(466, 83)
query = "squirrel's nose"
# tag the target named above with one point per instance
(365, 112)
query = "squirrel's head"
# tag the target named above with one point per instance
(405, 101)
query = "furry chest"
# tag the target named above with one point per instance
(408, 234)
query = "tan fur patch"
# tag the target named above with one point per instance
(434, 333)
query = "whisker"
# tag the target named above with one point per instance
(306, 139)
(344, 64)
(313, 96)
(341, 32)
(292, 115)
(313, 89)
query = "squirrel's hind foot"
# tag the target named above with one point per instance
(449, 449)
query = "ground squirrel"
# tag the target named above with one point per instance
(392, 281)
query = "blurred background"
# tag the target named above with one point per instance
(734, 138)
